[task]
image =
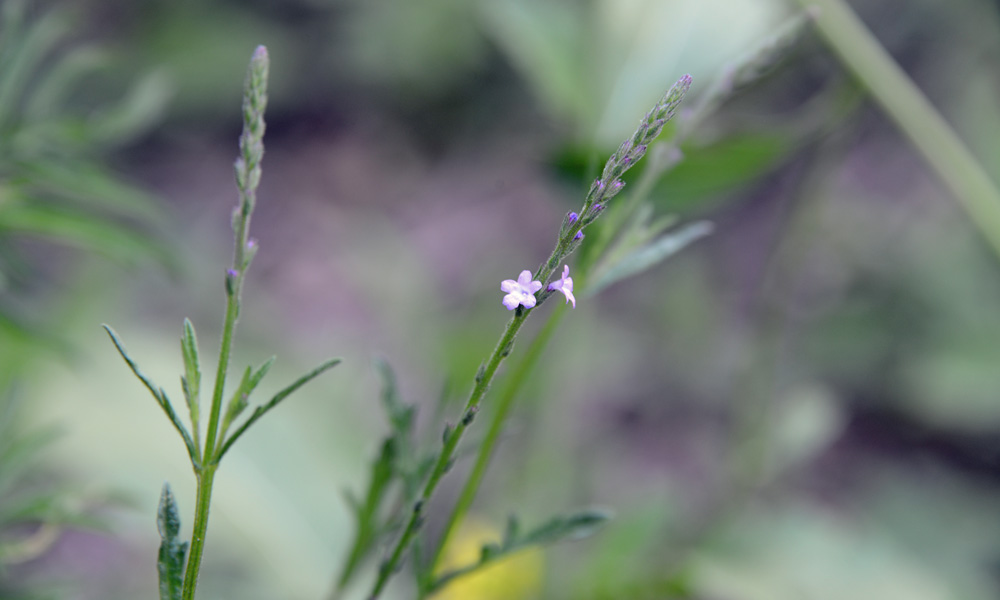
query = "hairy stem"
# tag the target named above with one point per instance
(444, 461)
(511, 387)
(205, 479)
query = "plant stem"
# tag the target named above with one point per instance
(660, 163)
(512, 385)
(904, 103)
(446, 457)
(206, 477)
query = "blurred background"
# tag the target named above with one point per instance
(805, 405)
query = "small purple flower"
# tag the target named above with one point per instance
(578, 236)
(565, 285)
(573, 217)
(521, 291)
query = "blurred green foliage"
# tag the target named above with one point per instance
(58, 122)
(835, 340)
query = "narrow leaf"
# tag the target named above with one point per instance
(171, 558)
(238, 402)
(158, 394)
(649, 255)
(259, 374)
(274, 401)
(74, 228)
(401, 416)
(558, 529)
(573, 527)
(191, 382)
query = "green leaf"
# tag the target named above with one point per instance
(88, 184)
(191, 382)
(145, 103)
(56, 85)
(238, 402)
(241, 397)
(548, 43)
(367, 527)
(19, 454)
(573, 527)
(274, 401)
(709, 171)
(259, 374)
(85, 231)
(558, 529)
(401, 416)
(22, 57)
(158, 394)
(649, 255)
(171, 559)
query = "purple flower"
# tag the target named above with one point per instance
(565, 285)
(578, 237)
(521, 291)
(573, 217)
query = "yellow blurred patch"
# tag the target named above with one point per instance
(516, 577)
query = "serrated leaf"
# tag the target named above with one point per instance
(367, 526)
(649, 255)
(170, 564)
(401, 416)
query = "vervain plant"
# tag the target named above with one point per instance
(178, 581)
(625, 240)
(521, 299)
(628, 242)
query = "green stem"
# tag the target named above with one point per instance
(519, 374)
(205, 479)
(228, 330)
(913, 113)
(446, 457)
(512, 385)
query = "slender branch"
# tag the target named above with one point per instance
(445, 459)
(511, 387)
(247, 178)
(206, 477)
